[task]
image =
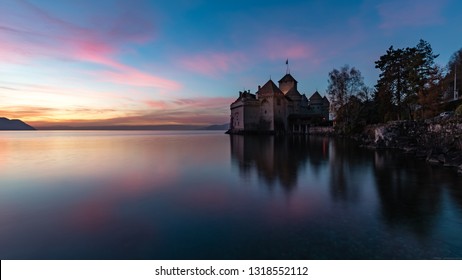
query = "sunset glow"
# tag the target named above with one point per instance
(104, 63)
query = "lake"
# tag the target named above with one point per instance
(207, 195)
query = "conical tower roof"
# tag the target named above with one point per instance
(269, 88)
(287, 78)
(316, 98)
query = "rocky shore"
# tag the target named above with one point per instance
(438, 141)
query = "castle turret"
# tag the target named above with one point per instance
(287, 83)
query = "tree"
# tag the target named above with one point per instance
(407, 78)
(343, 84)
(393, 84)
(365, 94)
(426, 79)
(430, 96)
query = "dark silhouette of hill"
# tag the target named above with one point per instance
(7, 124)
(218, 127)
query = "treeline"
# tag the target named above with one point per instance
(410, 86)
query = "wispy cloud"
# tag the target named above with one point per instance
(134, 77)
(409, 13)
(45, 35)
(212, 63)
(292, 48)
(40, 114)
(187, 111)
(200, 111)
(156, 104)
(25, 112)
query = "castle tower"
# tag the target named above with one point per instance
(287, 83)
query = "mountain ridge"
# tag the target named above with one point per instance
(7, 124)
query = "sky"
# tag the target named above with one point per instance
(135, 62)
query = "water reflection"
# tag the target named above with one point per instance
(410, 191)
(406, 193)
(278, 160)
(349, 170)
(190, 195)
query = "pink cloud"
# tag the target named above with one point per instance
(408, 13)
(289, 49)
(212, 64)
(156, 104)
(93, 51)
(133, 77)
(46, 35)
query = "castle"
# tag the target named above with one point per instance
(274, 109)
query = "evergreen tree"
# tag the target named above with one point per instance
(407, 78)
(390, 86)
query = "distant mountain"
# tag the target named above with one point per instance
(7, 124)
(217, 127)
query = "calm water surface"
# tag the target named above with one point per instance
(202, 195)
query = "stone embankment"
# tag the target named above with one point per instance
(439, 141)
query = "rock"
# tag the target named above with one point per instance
(453, 159)
(438, 141)
(441, 158)
(410, 150)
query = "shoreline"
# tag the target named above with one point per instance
(313, 130)
(438, 142)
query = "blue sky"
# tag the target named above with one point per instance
(183, 62)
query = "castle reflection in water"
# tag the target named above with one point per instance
(278, 160)
(408, 192)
